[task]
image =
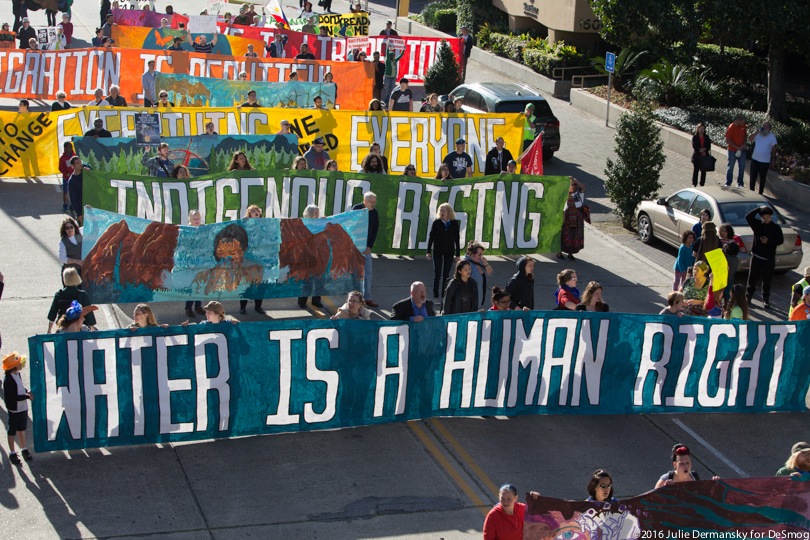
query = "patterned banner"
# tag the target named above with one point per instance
(337, 24)
(139, 37)
(139, 17)
(203, 154)
(31, 144)
(78, 72)
(128, 259)
(508, 214)
(188, 91)
(231, 380)
(740, 508)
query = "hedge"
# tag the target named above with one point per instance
(533, 52)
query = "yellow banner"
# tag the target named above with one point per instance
(30, 144)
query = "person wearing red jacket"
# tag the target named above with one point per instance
(66, 169)
(505, 520)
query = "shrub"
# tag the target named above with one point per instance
(635, 174)
(446, 20)
(733, 64)
(476, 13)
(444, 75)
(430, 11)
(556, 56)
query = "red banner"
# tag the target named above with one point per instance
(78, 72)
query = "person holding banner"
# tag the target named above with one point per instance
(60, 104)
(144, 317)
(369, 203)
(60, 41)
(497, 158)
(276, 49)
(316, 156)
(16, 398)
(305, 54)
(443, 240)
(802, 311)
(682, 468)
(500, 300)
(416, 308)
(115, 98)
(600, 488)
(354, 308)
(240, 162)
(401, 97)
(148, 82)
(798, 464)
(75, 187)
(505, 520)
(251, 100)
(74, 318)
(310, 212)
(521, 285)
(66, 169)
(160, 165)
(459, 161)
(194, 220)
(70, 246)
(567, 294)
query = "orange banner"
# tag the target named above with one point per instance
(78, 72)
(139, 37)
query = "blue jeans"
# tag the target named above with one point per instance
(388, 88)
(367, 278)
(732, 158)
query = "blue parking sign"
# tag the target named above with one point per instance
(610, 62)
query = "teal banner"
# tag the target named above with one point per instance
(225, 380)
(203, 154)
(189, 91)
(128, 259)
(508, 214)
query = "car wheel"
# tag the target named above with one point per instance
(645, 229)
(547, 155)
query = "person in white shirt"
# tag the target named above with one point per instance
(764, 148)
(98, 99)
(60, 41)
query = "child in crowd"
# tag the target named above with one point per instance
(674, 304)
(16, 398)
(737, 306)
(685, 259)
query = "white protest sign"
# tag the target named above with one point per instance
(398, 44)
(357, 43)
(202, 24)
(216, 6)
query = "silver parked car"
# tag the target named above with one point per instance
(668, 218)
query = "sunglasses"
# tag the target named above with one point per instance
(410, 169)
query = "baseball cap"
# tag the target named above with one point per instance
(318, 140)
(460, 140)
(807, 271)
(512, 162)
(806, 291)
(799, 446)
(25, 19)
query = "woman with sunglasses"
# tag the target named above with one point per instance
(500, 299)
(410, 170)
(70, 246)
(600, 488)
(163, 100)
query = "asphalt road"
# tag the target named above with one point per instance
(432, 479)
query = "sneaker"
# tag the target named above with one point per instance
(302, 305)
(319, 304)
(372, 303)
(243, 311)
(199, 309)
(190, 313)
(259, 310)
(766, 304)
(14, 459)
(741, 186)
(27, 455)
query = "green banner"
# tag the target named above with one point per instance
(508, 214)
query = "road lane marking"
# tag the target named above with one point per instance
(710, 448)
(465, 456)
(421, 434)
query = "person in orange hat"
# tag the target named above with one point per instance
(16, 398)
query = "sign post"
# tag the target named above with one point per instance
(610, 67)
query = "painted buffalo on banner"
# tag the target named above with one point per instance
(129, 259)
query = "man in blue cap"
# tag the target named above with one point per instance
(459, 161)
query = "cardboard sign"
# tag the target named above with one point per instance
(202, 24)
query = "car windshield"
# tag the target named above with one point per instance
(541, 108)
(734, 212)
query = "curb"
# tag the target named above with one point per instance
(607, 239)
